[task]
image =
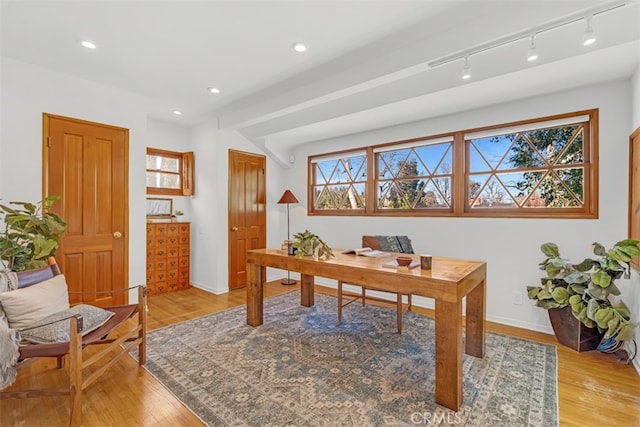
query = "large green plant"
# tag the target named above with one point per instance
(31, 234)
(588, 287)
(308, 243)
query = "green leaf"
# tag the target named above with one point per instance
(585, 265)
(552, 270)
(598, 249)
(575, 299)
(578, 288)
(631, 250)
(626, 332)
(622, 309)
(601, 278)
(619, 255)
(561, 295)
(548, 304)
(602, 317)
(592, 308)
(550, 250)
(544, 294)
(532, 292)
(612, 326)
(597, 292)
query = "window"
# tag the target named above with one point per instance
(543, 168)
(414, 176)
(169, 172)
(339, 182)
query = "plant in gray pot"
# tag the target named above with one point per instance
(582, 299)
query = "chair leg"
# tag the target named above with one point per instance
(339, 301)
(142, 323)
(75, 374)
(399, 308)
(409, 301)
(364, 296)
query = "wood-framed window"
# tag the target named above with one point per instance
(539, 168)
(338, 182)
(169, 172)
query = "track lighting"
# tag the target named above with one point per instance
(589, 36)
(533, 32)
(466, 71)
(532, 55)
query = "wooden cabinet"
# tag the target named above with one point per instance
(168, 248)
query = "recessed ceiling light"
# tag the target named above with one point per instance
(213, 90)
(88, 44)
(299, 47)
(177, 113)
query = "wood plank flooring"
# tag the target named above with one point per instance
(594, 389)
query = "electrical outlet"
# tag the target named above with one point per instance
(517, 298)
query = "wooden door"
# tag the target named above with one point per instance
(87, 165)
(247, 214)
(634, 191)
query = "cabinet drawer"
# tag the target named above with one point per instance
(160, 276)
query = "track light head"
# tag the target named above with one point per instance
(466, 71)
(589, 36)
(532, 55)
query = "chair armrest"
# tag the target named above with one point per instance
(115, 291)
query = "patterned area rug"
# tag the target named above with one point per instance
(302, 368)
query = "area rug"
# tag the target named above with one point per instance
(302, 368)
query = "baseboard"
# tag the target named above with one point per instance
(206, 288)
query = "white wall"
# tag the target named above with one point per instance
(27, 92)
(509, 246)
(210, 262)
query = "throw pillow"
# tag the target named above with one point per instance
(92, 318)
(25, 306)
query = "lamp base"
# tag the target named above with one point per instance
(289, 281)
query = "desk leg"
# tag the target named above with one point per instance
(254, 295)
(449, 354)
(306, 290)
(476, 307)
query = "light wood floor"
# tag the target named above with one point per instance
(594, 389)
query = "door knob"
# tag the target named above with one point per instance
(234, 228)
(117, 235)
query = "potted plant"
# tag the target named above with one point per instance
(587, 293)
(308, 243)
(31, 234)
(175, 215)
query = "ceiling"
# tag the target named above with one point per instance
(366, 66)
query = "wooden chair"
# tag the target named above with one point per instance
(127, 338)
(400, 244)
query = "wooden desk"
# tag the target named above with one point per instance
(448, 282)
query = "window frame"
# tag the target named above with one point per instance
(460, 175)
(185, 171)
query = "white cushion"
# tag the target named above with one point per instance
(25, 306)
(92, 318)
